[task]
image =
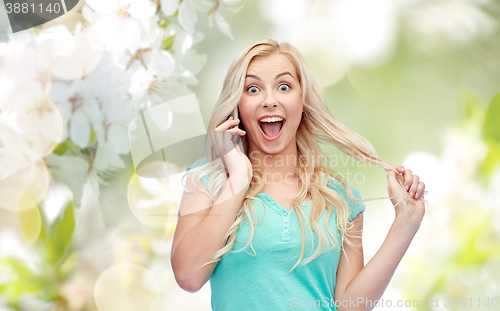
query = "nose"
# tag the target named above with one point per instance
(270, 101)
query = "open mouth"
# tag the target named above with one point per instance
(271, 129)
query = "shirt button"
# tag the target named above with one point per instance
(285, 221)
(286, 230)
(285, 213)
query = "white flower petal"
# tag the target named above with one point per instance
(5, 91)
(140, 80)
(169, 7)
(194, 62)
(197, 37)
(60, 91)
(98, 127)
(142, 9)
(106, 158)
(211, 20)
(223, 25)
(187, 16)
(106, 7)
(164, 63)
(79, 129)
(9, 125)
(118, 34)
(151, 34)
(118, 139)
(70, 170)
(91, 109)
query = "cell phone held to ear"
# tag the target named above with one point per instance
(237, 137)
(235, 116)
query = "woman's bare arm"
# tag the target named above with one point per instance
(360, 284)
(200, 234)
(357, 287)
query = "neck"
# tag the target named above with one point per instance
(281, 166)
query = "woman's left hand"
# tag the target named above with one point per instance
(413, 188)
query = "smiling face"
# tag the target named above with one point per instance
(271, 105)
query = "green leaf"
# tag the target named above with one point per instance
(71, 144)
(164, 23)
(40, 245)
(27, 280)
(473, 229)
(67, 145)
(492, 159)
(491, 134)
(68, 265)
(167, 43)
(61, 149)
(86, 151)
(30, 224)
(93, 135)
(50, 292)
(491, 126)
(474, 108)
(60, 234)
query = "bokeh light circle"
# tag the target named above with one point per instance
(71, 50)
(154, 200)
(26, 67)
(32, 120)
(24, 178)
(127, 287)
(19, 214)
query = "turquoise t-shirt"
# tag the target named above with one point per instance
(242, 281)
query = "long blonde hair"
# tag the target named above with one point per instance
(317, 125)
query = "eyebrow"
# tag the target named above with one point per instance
(279, 75)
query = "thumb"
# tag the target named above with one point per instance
(391, 177)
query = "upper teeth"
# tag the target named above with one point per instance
(273, 119)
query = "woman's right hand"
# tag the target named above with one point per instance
(224, 141)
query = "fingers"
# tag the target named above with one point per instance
(228, 124)
(412, 182)
(414, 185)
(408, 175)
(391, 177)
(226, 139)
(420, 190)
(237, 131)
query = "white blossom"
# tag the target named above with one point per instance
(121, 28)
(24, 67)
(70, 56)
(169, 7)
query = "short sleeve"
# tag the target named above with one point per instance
(355, 207)
(198, 163)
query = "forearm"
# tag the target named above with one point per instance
(372, 280)
(200, 243)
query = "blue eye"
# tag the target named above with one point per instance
(287, 87)
(252, 89)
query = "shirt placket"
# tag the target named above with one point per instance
(285, 226)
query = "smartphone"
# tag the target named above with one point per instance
(235, 115)
(237, 137)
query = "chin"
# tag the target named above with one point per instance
(273, 147)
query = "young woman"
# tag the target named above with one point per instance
(267, 201)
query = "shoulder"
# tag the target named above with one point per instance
(338, 187)
(197, 163)
(355, 207)
(203, 175)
